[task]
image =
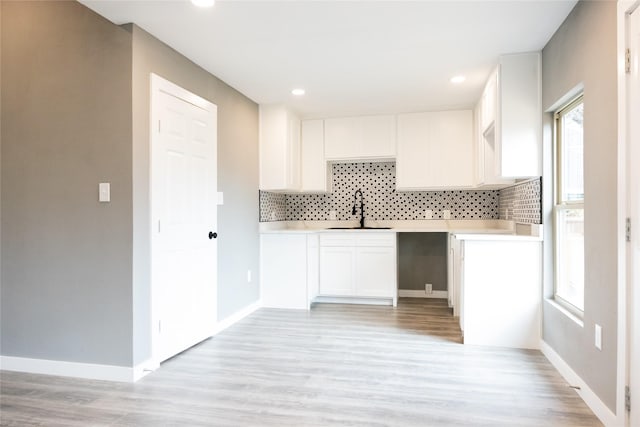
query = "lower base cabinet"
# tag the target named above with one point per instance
(358, 264)
(288, 269)
(499, 291)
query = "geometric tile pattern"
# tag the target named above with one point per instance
(272, 206)
(522, 202)
(383, 202)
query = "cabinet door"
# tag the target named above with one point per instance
(413, 151)
(451, 159)
(293, 153)
(489, 102)
(360, 138)
(342, 138)
(337, 270)
(520, 118)
(279, 149)
(378, 137)
(376, 272)
(435, 150)
(314, 168)
(283, 270)
(478, 144)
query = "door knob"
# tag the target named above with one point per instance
(212, 235)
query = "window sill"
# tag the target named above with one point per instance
(577, 320)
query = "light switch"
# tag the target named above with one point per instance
(104, 192)
(598, 337)
(220, 198)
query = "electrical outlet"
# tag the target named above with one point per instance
(428, 288)
(248, 276)
(598, 337)
(428, 214)
(333, 215)
(446, 214)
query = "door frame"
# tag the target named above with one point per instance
(158, 85)
(625, 175)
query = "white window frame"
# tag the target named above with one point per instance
(561, 205)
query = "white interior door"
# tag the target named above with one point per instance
(184, 219)
(633, 198)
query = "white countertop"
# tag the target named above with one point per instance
(464, 229)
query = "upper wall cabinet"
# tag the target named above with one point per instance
(279, 149)
(435, 151)
(315, 177)
(510, 144)
(360, 138)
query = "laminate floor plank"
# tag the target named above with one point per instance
(336, 365)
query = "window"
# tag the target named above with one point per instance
(569, 207)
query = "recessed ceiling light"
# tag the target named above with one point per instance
(203, 3)
(298, 92)
(458, 79)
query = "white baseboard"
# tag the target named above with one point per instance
(70, 369)
(103, 372)
(237, 316)
(601, 410)
(353, 300)
(145, 368)
(413, 293)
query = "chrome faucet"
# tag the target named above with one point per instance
(355, 200)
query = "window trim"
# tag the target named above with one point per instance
(559, 204)
(558, 150)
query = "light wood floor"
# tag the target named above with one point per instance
(338, 365)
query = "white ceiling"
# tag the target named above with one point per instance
(352, 57)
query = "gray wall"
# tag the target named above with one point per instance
(422, 258)
(66, 126)
(75, 104)
(238, 241)
(583, 52)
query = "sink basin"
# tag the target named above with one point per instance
(359, 228)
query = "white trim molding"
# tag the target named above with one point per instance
(353, 300)
(624, 356)
(413, 293)
(70, 369)
(104, 372)
(598, 407)
(237, 316)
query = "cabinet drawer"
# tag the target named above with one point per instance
(337, 239)
(376, 239)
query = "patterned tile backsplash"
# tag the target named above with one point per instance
(382, 202)
(521, 202)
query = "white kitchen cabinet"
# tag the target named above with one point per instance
(337, 270)
(315, 177)
(360, 138)
(435, 151)
(455, 277)
(288, 269)
(511, 121)
(279, 149)
(489, 101)
(375, 271)
(358, 264)
(313, 267)
(500, 291)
